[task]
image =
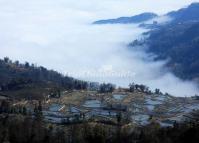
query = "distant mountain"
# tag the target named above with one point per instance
(180, 44)
(125, 20)
(190, 13)
(187, 14)
(177, 41)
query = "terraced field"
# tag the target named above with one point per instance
(127, 108)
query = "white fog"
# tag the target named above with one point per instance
(59, 35)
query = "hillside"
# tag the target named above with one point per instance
(24, 80)
(177, 42)
(180, 44)
(186, 14)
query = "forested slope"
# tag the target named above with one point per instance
(180, 44)
(27, 79)
(177, 42)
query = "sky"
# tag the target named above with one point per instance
(59, 35)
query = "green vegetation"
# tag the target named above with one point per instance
(29, 81)
(21, 125)
(105, 88)
(177, 43)
(180, 44)
(35, 82)
(185, 14)
(24, 129)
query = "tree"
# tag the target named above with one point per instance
(5, 107)
(27, 65)
(142, 87)
(157, 91)
(6, 60)
(38, 112)
(132, 87)
(119, 117)
(16, 63)
(105, 88)
(24, 111)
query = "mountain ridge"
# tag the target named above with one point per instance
(125, 20)
(20, 80)
(189, 13)
(177, 40)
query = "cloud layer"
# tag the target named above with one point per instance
(58, 35)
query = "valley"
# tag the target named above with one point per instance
(73, 73)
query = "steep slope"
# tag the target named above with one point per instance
(180, 44)
(190, 13)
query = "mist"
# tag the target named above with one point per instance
(59, 35)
